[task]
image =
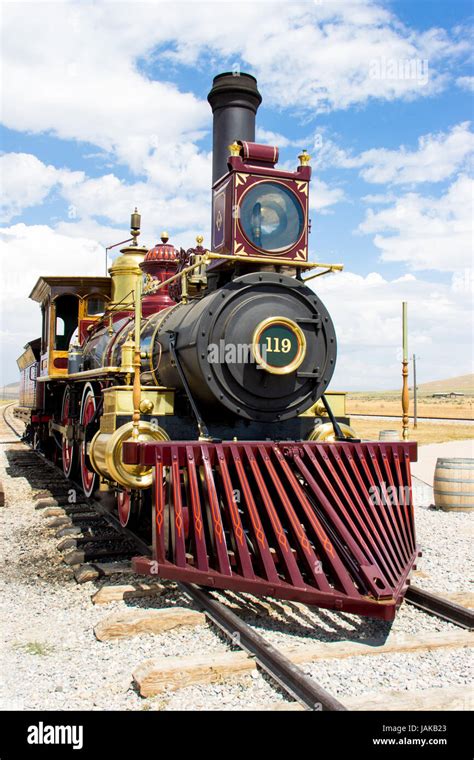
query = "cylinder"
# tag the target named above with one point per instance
(454, 484)
(389, 435)
(234, 99)
(107, 460)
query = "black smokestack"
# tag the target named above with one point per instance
(234, 100)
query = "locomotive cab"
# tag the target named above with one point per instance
(68, 304)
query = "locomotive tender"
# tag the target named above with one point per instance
(188, 389)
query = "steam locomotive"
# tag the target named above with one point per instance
(189, 389)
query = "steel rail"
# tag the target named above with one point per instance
(8, 406)
(289, 676)
(441, 607)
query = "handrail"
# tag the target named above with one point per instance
(211, 256)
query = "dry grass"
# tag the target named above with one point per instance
(390, 403)
(426, 432)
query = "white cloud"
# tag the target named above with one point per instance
(76, 64)
(322, 196)
(437, 157)
(174, 196)
(180, 169)
(425, 232)
(367, 313)
(379, 198)
(103, 234)
(320, 56)
(267, 137)
(113, 198)
(35, 250)
(26, 181)
(466, 83)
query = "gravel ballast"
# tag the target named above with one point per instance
(52, 660)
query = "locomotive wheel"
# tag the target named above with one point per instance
(88, 408)
(125, 508)
(133, 509)
(36, 441)
(124, 503)
(68, 447)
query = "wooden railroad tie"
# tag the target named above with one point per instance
(48, 501)
(158, 674)
(123, 625)
(53, 512)
(108, 594)
(439, 698)
(465, 598)
(59, 522)
(90, 572)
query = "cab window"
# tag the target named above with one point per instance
(67, 314)
(95, 306)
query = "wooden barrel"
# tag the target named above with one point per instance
(454, 484)
(389, 435)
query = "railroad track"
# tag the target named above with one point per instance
(8, 423)
(81, 532)
(443, 608)
(90, 538)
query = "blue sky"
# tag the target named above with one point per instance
(104, 108)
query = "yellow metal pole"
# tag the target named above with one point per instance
(405, 395)
(137, 360)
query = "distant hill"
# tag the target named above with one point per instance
(10, 391)
(463, 383)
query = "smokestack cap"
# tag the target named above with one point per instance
(229, 86)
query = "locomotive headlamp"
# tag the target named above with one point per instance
(259, 210)
(279, 345)
(271, 217)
